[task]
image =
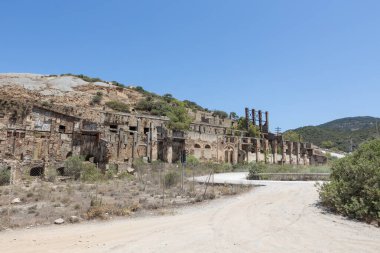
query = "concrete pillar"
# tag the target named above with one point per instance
(298, 150)
(266, 150)
(290, 152)
(235, 155)
(169, 154)
(283, 146)
(153, 143)
(274, 151)
(257, 149)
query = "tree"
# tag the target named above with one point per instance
(179, 119)
(327, 144)
(234, 116)
(292, 136)
(253, 131)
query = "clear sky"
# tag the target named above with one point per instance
(305, 61)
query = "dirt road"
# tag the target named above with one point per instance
(277, 217)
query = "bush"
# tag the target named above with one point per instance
(85, 78)
(179, 119)
(254, 169)
(118, 106)
(5, 176)
(96, 99)
(220, 114)
(73, 166)
(170, 179)
(90, 173)
(192, 160)
(354, 190)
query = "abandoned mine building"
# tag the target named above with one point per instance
(37, 136)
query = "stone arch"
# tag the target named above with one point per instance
(69, 154)
(207, 146)
(228, 154)
(197, 145)
(36, 171)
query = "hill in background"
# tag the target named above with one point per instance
(340, 134)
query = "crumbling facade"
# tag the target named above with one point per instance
(40, 136)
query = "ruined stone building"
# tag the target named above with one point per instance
(43, 135)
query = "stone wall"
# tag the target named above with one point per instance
(32, 134)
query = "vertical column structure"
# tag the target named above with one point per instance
(290, 152)
(283, 146)
(254, 117)
(169, 149)
(266, 150)
(267, 122)
(274, 151)
(235, 153)
(247, 117)
(298, 149)
(261, 121)
(257, 149)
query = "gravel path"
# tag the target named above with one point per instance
(277, 217)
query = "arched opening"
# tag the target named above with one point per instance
(197, 146)
(61, 171)
(36, 172)
(229, 155)
(69, 154)
(208, 146)
(88, 157)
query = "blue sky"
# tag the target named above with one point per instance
(305, 61)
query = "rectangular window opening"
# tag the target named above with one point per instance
(61, 129)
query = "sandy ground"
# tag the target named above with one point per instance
(277, 217)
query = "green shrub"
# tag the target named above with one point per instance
(170, 179)
(112, 171)
(192, 160)
(5, 176)
(73, 166)
(254, 169)
(118, 106)
(220, 114)
(179, 119)
(90, 173)
(85, 78)
(354, 190)
(96, 99)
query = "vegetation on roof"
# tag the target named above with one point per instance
(118, 106)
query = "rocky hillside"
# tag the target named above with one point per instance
(338, 134)
(83, 91)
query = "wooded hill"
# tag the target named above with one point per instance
(338, 134)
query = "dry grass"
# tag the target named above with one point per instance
(43, 202)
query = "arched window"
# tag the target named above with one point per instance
(207, 146)
(197, 146)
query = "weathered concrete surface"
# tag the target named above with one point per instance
(278, 217)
